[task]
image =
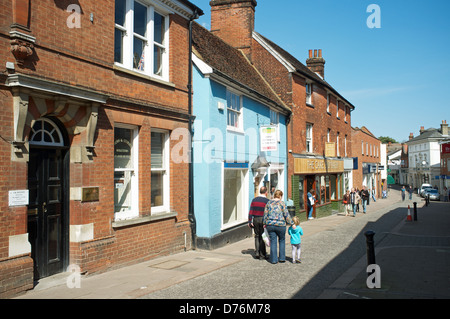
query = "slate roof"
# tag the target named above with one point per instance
(429, 133)
(231, 64)
(301, 68)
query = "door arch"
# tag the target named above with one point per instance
(48, 209)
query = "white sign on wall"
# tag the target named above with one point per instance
(18, 198)
(269, 140)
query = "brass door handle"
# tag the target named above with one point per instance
(44, 207)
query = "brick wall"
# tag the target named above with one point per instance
(84, 58)
(371, 153)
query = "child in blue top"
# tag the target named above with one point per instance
(296, 232)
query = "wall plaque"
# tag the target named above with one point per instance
(90, 194)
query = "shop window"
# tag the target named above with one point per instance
(159, 172)
(333, 185)
(235, 198)
(301, 192)
(327, 188)
(318, 199)
(125, 173)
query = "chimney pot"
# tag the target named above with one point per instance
(316, 63)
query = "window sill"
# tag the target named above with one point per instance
(143, 220)
(309, 104)
(143, 76)
(235, 130)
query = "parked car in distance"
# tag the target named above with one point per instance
(422, 188)
(433, 193)
(425, 190)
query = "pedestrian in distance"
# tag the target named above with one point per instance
(358, 193)
(403, 193)
(276, 217)
(353, 201)
(364, 198)
(410, 191)
(311, 202)
(346, 202)
(255, 221)
(295, 231)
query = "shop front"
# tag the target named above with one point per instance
(370, 178)
(325, 176)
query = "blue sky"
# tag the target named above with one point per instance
(397, 76)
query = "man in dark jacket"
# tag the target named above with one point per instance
(255, 220)
(365, 197)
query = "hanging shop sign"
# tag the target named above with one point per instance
(269, 140)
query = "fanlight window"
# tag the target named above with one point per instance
(45, 132)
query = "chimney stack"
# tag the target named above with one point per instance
(234, 22)
(422, 129)
(411, 136)
(444, 127)
(316, 63)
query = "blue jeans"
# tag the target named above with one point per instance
(354, 209)
(277, 233)
(310, 211)
(364, 205)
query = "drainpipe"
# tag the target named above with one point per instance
(191, 215)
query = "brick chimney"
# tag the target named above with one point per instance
(234, 21)
(411, 136)
(316, 63)
(422, 129)
(444, 128)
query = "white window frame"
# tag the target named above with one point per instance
(128, 39)
(337, 109)
(245, 198)
(134, 211)
(328, 103)
(165, 207)
(308, 90)
(309, 128)
(240, 116)
(59, 141)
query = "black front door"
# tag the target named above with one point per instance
(46, 211)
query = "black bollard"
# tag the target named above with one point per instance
(370, 247)
(415, 211)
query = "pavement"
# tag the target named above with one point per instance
(413, 256)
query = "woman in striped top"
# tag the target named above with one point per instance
(276, 217)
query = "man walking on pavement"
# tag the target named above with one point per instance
(365, 197)
(255, 221)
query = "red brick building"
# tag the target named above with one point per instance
(319, 131)
(93, 101)
(366, 147)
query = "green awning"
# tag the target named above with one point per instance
(390, 180)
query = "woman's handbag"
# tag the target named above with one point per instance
(265, 237)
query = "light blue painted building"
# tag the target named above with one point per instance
(239, 140)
